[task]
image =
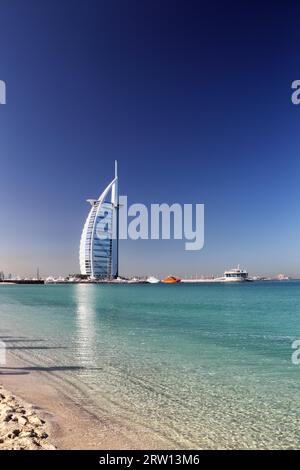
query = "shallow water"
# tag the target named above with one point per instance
(198, 366)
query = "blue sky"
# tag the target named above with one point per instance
(192, 98)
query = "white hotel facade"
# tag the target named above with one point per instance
(98, 254)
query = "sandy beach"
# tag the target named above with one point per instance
(55, 413)
(21, 427)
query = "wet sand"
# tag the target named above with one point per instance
(67, 425)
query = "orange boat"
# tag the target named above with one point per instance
(171, 280)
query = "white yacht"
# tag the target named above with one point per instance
(236, 275)
(152, 280)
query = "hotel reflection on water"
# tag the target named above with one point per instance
(85, 340)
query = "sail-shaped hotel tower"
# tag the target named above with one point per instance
(98, 254)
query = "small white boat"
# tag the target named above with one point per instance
(282, 277)
(152, 280)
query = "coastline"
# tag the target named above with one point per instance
(68, 425)
(21, 426)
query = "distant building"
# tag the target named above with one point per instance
(98, 254)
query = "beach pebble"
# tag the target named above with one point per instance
(8, 417)
(26, 443)
(47, 446)
(22, 420)
(29, 433)
(35, 420)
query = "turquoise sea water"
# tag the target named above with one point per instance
(198, 366)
